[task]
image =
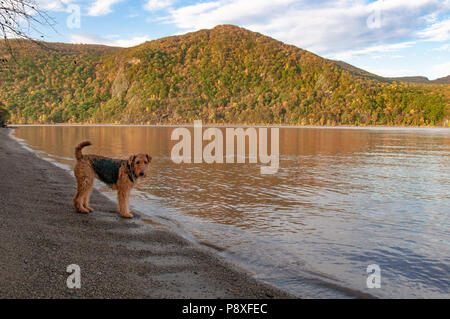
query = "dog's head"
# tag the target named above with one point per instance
(139, 164)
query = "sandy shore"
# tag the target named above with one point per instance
(40, 235)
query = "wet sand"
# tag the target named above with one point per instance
(40, 235)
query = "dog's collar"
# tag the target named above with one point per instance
(131, 174)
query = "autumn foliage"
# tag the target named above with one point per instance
(224, 75)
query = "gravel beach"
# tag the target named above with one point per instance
(40, 235)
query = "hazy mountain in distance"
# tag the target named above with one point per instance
(443, 80)
(421, 79)
(409, 79)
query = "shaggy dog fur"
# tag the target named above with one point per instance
(118, 174)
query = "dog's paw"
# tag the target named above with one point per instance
(127, 215)
(90, 209)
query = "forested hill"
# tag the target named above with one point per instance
(223, 75)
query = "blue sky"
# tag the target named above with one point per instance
(386, 37)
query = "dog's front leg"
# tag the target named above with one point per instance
(123, 194)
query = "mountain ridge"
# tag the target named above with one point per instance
(421, 79)
(222, 75)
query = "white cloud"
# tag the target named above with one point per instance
(54, 5)
(390, 72)
(443, 48)
(112, 40)
(329, 28)
(439, 70)
(347, 55)
(439, 31)
(101, 7)
(209, 14)
(154, 5)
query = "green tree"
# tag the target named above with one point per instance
(4, 116)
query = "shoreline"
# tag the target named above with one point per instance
(354, 127)
(40, 235)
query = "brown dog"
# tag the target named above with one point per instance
(118, 174)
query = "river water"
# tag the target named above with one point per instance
(342, 199)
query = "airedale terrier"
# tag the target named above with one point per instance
(118, 174)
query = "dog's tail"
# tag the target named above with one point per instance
(78, 154)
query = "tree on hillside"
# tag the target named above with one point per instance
(4, 115)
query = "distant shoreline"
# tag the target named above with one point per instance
(381, 127)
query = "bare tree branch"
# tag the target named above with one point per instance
(22, 19)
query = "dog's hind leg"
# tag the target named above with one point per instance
(87, 194)
(84, 186)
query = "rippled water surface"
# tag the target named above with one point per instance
(342, 199)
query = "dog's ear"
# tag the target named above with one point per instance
(131, 159)
(149, 158)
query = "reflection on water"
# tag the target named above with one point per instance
(341, 200)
